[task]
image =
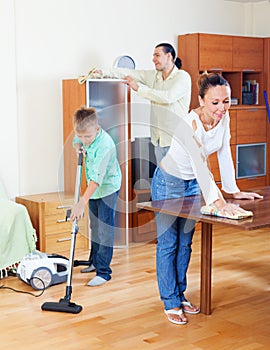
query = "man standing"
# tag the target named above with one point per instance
(168, 88)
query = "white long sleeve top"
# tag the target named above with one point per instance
(170, 98)
(187, 156)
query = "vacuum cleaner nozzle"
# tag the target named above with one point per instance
(63, 305)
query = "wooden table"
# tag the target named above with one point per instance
(189, 207)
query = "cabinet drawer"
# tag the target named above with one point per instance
(145, 229)
(55, 225)
(249, 183)
(146, 222)
(58, 243)
(251, 126)
(58, 207)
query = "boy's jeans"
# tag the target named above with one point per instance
(102, 214)
(174, 239)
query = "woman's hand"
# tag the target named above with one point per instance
(228, 208)
(246, 195)
(77, 210)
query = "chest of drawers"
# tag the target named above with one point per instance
(48, 215)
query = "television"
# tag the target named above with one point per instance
(250, 160)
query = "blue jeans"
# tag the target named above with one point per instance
(174, 238)
(102, 214)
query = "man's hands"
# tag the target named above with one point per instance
(131, 82)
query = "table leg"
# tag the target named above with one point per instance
(206, 267)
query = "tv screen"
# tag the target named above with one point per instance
(250, 160)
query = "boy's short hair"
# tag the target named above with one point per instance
(84, 117)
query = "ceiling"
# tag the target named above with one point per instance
(246, 1)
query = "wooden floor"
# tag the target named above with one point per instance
(126, 313)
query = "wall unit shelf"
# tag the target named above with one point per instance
(238, 59)
(244, 62)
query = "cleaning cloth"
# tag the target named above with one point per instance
(213, 210)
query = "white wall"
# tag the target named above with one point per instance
(261, 16)
(47, 41)
(9, 139)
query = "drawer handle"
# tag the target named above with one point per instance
(252, 109)
(61, 220)
(63, 239)
(63, 206)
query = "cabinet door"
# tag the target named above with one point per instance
(215, 52)
(247, 53)
(251, 126)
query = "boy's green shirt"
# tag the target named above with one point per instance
(101, 164)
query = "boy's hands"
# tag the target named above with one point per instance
(79, 149)
(77, 210)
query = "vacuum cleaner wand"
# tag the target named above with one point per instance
(64, 304)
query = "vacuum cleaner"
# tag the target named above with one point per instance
(65, 304)
(42, 270)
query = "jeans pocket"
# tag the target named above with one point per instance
(166, 186)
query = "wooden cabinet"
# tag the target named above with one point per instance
(266, 51)
(208, 51)
(248, 126)
(247, 53)
(238, 59)
(47, 212)
(214, 52)
(111, 99)
(242, 61)
(251, 126)
(233, 125)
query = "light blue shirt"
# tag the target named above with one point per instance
(101, 165)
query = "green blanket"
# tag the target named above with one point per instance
(17, 235)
